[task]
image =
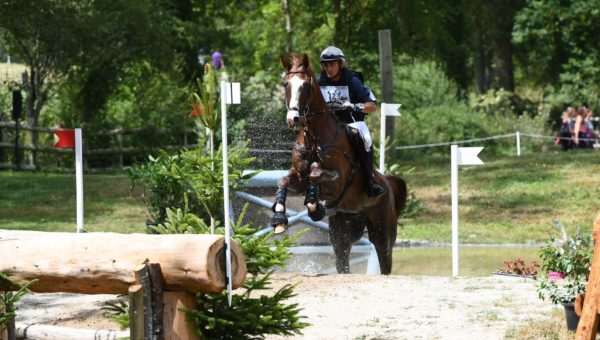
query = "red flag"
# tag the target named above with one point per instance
(66, 139)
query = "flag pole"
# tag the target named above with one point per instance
(382, 141)
(226, 188)
(454, 194)
(79, 178)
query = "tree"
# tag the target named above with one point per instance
(88, 43)
(558, 44)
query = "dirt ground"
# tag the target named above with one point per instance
(359, 307)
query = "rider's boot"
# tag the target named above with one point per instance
(374, 189)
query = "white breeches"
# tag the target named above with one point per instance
(364, 133)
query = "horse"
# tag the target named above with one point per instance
(326, 169)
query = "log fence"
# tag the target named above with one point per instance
(158, 272)
(12, 147)
(271, 145)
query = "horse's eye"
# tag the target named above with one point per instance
(285, 85)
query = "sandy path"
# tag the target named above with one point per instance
(360, 307)
(416, 307)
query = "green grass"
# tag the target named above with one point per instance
(552, 327)
(506, 200)
(46, 202)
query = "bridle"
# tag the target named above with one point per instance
(315, 146)
(306, 114)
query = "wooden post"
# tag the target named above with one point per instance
(3, 328)
(156, 314)
(120, 145)
(588, 322)
(149, 276)
(136, 312)
(176, 325)
(7, 331)
(387, 83)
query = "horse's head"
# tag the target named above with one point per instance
(298, 83)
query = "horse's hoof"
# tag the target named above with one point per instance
(279, 222)
(318, 214)
(280, 228)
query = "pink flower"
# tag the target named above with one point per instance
(556, 276)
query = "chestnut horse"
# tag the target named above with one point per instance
(325, 167)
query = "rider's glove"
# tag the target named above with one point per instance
(354, 107)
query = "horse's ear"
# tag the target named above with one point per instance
(285, 62)
(305, 61)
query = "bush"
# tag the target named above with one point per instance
(8, 298)
(188, 180)
(249, 317)
(433, 112)
(571, 257)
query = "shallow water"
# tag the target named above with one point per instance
(474, 261)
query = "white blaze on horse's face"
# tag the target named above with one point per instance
(293, 114)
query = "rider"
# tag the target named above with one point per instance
(345, 92)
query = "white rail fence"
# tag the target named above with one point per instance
(517, 135)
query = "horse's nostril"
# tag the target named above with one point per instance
(296, 119)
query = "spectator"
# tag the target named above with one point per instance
(589, 125)
(581, 131)
(217, 59)
(565, 131)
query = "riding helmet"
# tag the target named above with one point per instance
(332, 53)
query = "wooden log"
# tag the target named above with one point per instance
(176, 325)
(588, 321)
(104, 263)
(35, 331)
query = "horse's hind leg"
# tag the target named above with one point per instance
(344, 230)
(382, 228)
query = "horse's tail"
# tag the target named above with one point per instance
(399, 189)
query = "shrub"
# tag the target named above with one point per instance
(433, 111)
(8, 298)
(570, 256)
(170, 180)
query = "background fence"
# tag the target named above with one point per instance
(119, 148)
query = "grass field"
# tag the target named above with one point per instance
(507, 200)
(46, 202)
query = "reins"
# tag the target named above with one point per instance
(314, 145)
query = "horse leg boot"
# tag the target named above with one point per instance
(279, 221)
(316, 211)
(374, 189)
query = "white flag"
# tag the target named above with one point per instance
(232, 93)
(468, 156)
(390, 109)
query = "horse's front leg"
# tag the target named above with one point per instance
(316, 210)
(279, 221)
